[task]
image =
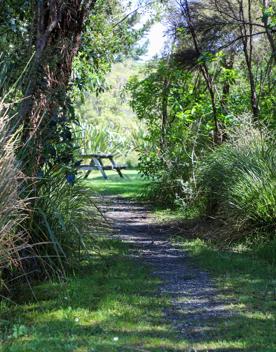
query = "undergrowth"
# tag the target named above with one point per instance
(233, 186)
(64, 219)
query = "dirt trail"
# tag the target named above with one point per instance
(195, 303)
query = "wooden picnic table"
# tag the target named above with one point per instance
(96, 163)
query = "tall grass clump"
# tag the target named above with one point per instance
(62, 224)
(238, 180)
(60, 218)
(13, 238)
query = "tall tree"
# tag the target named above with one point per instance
(57, 29)
(229, 26)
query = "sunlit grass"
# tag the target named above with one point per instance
(111, 305)
(131, 186)
(163, 214)
(248, 284)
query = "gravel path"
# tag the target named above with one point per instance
(195, 302)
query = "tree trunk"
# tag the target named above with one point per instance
(247, 38)
(58, 26)
(164, 122)
(217, 136)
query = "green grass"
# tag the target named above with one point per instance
(246, 280)
(165, 215)
(131, 186)
(250, 284)
(110, 305)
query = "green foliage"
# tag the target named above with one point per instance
(190, 99)
(15, 47)
(238, 179)
(169, 149)
(63, 221)
(106, 40)
(107, 123)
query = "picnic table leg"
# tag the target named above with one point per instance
(88, 172)
(115, 167)
(99, 165)
(120, 173)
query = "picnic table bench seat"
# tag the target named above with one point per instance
(97, 164)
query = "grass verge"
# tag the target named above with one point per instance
(246, 282)
(248, 285)
(110, 305)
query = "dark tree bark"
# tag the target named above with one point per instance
(57, 36)
(246, 29)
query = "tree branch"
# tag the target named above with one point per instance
(243, 36)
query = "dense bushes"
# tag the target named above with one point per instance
(190, 98)
(238, 179)
(234, 182)
(178, 126)
(203, 153)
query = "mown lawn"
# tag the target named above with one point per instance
(246, 279)
(131, 186)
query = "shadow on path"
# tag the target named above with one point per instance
(197, 306)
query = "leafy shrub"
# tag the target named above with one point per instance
(169, 186)
(172, 170)
(238, 179)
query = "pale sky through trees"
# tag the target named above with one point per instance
(156, 33)
(156, 40)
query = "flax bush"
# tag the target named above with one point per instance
(40, 236)
(238, 179)
(63, 222)
(13, 238)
